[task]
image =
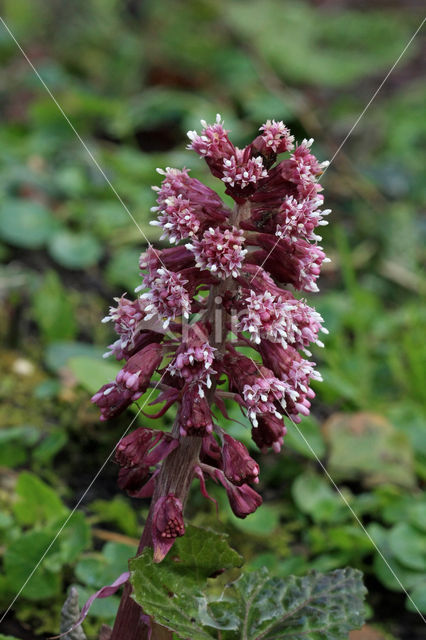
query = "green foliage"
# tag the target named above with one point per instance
(133, 80)
(254, 606)
(368, 446)
(75, 250)
(91, 373)
(36, 502)
(95, 570)
(309, 47)
(25, 223)
(403, 547)
(53, 309)
(117, 512)
(317, 605)
(170, 591)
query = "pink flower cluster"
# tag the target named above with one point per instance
(222, 288)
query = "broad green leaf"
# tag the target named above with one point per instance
(388, 569)
(122, 269)
(22, 556)
(306, 437)
(50, 446)
(260, 523)
(313, 495)
(408, 546)
(36, 503)
(119, 512)
(171, 591)
(2, 637)
(25, 223)
(202, 553)
(325, 606)
(59, 353)
(418, 595)
(98, 569)
(92, 373)
(74, 250)
(15, 443)
(73, 539)
(367, 446)
(53, 309)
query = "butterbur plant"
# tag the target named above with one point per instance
(223, 286)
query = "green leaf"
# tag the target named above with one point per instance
(50, 446)
(21, 557)
(300, 436)
(367, 446)
(119, 512)
(53, 309)
(388, 569)
(25, 223)
(15, 443)
(92, 373)
(313, 495)
(171, 591)
(202, 553)
(98, 569)
(263, 522)
(325, 606)
(36, 502)
(408, 546)
(122, 269)
(74, 538)
(418, 594)
(74, 250)
(59, 353)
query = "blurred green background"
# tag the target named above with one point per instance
(133, 77)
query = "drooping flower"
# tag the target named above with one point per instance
(195, 416)
(130, 383)
(242, 498)
(167, 524)
(238, 466)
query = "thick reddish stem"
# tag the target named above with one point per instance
(175, 477)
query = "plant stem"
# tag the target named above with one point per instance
(175, 477)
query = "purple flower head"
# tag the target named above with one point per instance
(220, 252)
(185, 206)
(224, 285)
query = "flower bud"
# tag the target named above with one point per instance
(167, 525)
(238, 466)
(270, 432)
(195, 417)
(243, 500)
